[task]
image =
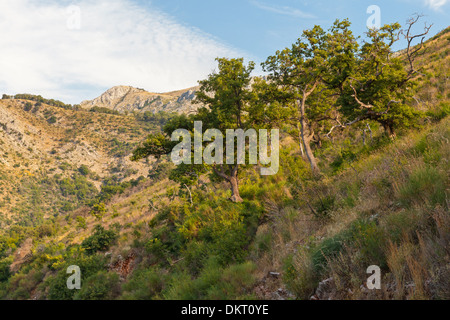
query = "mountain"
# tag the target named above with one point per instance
(129, 99)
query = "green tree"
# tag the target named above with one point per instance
(98, 210)
(227, 95)
(300, 82)
(28, 106)
(381, 86)
(229, 105)
(101, 240)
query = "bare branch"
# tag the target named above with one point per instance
(190, 194)
(343, 125)
(412, 52)
(221, 173)
(362, 104)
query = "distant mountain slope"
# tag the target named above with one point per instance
(42, 146)
(126, 98)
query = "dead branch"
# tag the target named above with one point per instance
(412, 52)
(190, 194)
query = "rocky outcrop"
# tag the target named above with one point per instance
(124, 265)
(325, 291)
(271, 287)
(129, 99)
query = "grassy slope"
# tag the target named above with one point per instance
(390, 210)
(386, 205)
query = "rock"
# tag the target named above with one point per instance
(129, 99)
(274, 274)
(364, 289)
(325, 290)
(282, 294)
(124, 266)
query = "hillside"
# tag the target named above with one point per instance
(70, 195)
(129, 99)
(41, 146)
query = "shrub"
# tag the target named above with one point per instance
(4, 271)
(83, 170)
(101, 286)
(57, 285)
(156, 247)
(81, 222)
(145, 284)
(98, 210)
(52, 120)
(327, 249)
(299, 274)
(214, 282)
(101, 240)
(370, 240)
(195, 254)
(324, 206)
(28, 106)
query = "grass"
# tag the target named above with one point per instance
(379, 216)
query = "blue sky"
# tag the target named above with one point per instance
(75, 50)
(260, 27)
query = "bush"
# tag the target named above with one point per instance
(81, 222)
(195, 254)
(156, 247)
(28, 106)
(4, 271)
(145, 284)
(101, 240)
(324, 206)
(299, 274)
(83, 170)
(214, 282)
(371, 242)
(52, 120)
(98, 210)
(57, 285)
(327, 249)
(101, 286)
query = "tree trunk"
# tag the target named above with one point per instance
(235, 197)
(306, 139)
(233, 180)
(309, 154)
(389, 130)
(300, 143)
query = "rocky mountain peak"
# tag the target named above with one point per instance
(129, 99)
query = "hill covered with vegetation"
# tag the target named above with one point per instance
(363, 180)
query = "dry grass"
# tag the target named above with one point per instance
(398, 188)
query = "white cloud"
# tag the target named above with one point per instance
(118, 43)
(435, 4)
(284, 10)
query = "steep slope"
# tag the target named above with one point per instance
(42, 145)
(128, 99)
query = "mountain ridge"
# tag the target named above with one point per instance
(130, 99)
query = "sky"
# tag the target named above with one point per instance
(74, 50)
